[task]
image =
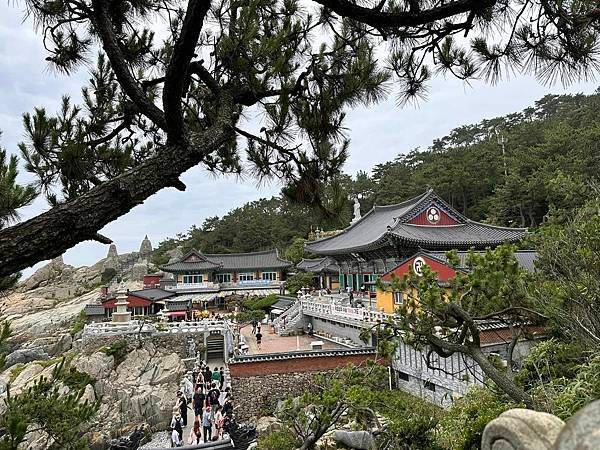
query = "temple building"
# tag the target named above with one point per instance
(387, 235)
(227, 273)
(388, 301)
(326, 272)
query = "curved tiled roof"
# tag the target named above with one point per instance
(384, 222)
(462, 235)
(325, 264)
(268, 259)
(525, 258)
(257, 260)
(366, 231)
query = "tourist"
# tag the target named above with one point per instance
(195, 433)
(207, 423)
(221, 378)
(187, 388)
(175, 441)
(216, 376)
(310, 331)
(258, 338)
(254, 323)
(228, 405)
(182, 404)
(198, 402)
(213, 396)
(207, 374)
(195, 376)
(177, 424)
(218, 421)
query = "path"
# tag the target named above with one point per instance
(273, 343)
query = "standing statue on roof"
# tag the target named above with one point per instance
(357, 215)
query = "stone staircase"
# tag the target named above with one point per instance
(289, 321)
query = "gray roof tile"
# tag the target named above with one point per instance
(382, 222)
(268, 259)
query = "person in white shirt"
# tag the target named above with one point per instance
(175, 440)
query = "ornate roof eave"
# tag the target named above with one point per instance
(444, 245)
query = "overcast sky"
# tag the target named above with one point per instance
(377, 135)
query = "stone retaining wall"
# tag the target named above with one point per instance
(257, 396)
(185, 345)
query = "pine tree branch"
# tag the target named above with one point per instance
(130, 86)
(176, 75)
(53, 232)
(411, 18)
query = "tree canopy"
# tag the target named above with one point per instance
(154, 107)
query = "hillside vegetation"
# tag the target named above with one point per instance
(550, 167)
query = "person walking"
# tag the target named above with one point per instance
(195, 433)
(177, 426)
(221, 378)
(254, 323)
(175, 441)
(182, 404)
(207, 424)
(216, 376)
(258, 339)
(198, 402)
(218, 421)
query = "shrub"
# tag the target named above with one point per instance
(462, 425)
(298, 281)
(118, 350)
(78, 323)
(279, 440)
(263, 303)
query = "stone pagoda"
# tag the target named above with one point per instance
(121, 315)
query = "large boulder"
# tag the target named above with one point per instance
(582, 431)
(26, 355)
(267, 425)
(359, 440)
(521, 429)
(98, 365)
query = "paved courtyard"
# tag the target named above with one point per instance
(272, 343)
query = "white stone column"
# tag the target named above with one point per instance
(121, 315)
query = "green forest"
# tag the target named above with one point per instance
(549, 168)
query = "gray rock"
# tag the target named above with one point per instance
(26, 355)
(582, 431)
(267, 425)
(521, 429)
(360, 440)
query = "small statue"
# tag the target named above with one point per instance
(357, 215)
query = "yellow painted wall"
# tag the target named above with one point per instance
(385, 301)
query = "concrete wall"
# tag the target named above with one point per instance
(331, 328)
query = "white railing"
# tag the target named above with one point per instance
(250, 283)
(347, 312)
(132, 327)
(209, 286)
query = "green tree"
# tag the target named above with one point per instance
(569, 293)
(43, 406)
(298, 281)
(446, 319)
(152, 109)
(295, 251)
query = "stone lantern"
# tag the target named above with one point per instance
(121, 315)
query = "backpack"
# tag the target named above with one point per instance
(213, 395)
(179, 426)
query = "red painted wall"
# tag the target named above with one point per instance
(291, 365)
(444, 219)
(132, 299)
(444, 271)
(151, 280)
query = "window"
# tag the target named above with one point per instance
(193, 278)
(272, 276)
(429, 385)
(247, 276)
(402, 375)
(398, 298)
(224, 278)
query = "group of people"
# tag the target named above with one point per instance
(212, 406)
